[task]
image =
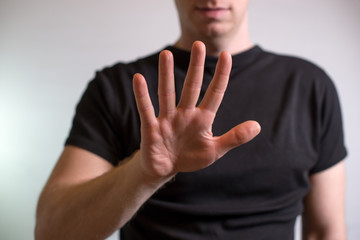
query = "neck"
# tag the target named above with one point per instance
(234, 42)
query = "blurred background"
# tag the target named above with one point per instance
(49, 50)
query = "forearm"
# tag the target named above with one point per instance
(97, 208)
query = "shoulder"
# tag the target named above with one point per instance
(294, 64)
(115, 81)
(126, 69)
(112, 85)
(297, 68)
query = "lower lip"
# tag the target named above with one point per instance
(213, 13)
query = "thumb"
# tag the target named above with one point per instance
(237, 136)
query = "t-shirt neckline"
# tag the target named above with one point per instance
(239, 60)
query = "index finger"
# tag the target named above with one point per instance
(143, 101)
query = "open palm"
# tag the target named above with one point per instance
(180, 139)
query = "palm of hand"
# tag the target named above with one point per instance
(183, 143)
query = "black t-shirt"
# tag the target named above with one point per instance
(256, 190)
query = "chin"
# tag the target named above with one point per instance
(215, 31)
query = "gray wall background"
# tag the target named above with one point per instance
(49, 50)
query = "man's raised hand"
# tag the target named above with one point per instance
(180, 139)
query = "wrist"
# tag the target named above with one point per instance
(138, 169)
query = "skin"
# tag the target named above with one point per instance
(84, 188)
(324, 214)
(221, 25)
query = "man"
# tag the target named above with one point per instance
(159, 166)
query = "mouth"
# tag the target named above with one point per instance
(212, 12)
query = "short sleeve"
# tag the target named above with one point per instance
(331, 138)
(95, 126)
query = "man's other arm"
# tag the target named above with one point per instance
(324, 214)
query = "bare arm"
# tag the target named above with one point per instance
(324, 215)
(87, 198)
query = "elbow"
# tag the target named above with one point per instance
(47, 226)
(324, 234)
(40, 233)
(44, 228)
